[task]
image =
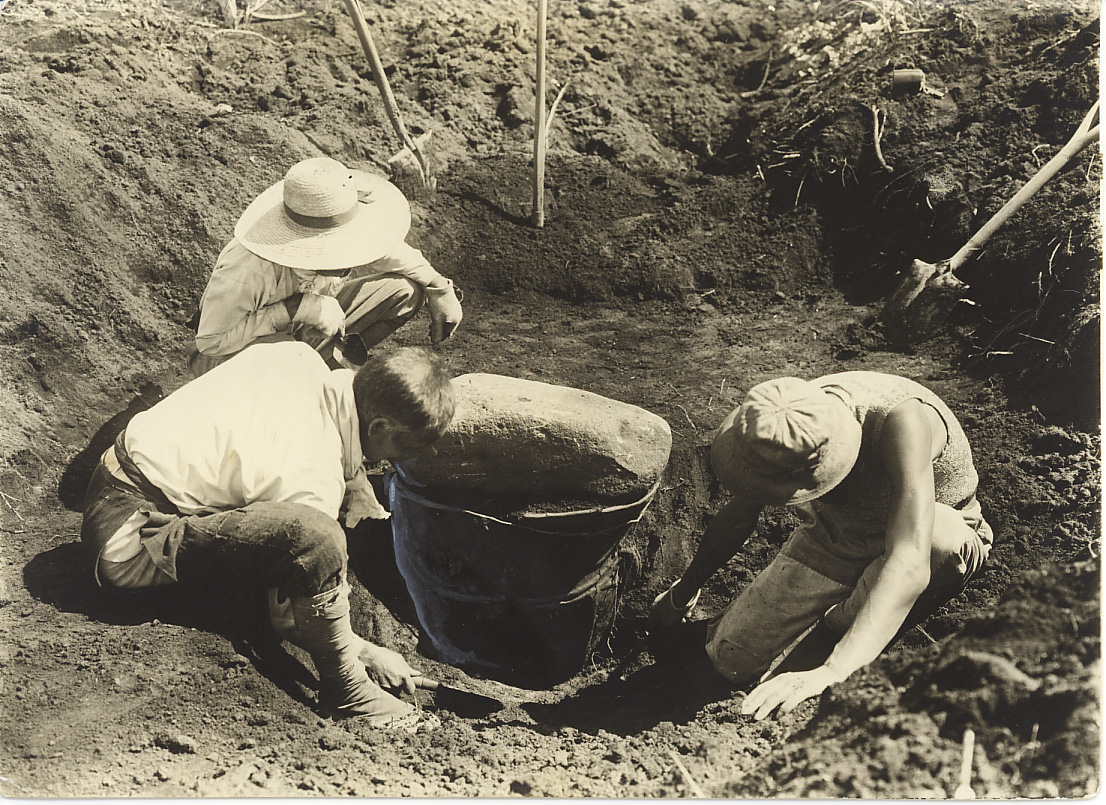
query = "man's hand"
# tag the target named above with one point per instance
(155, 521)
(665, 615)
(388, 668)
(324, 313)
(788, 691)
(445, 311)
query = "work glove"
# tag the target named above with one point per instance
(665, 615)
(387, 668)
(324, 313)
(445, 311)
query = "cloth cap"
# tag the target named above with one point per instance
(323, 215)
(787, 443)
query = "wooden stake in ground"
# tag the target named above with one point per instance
(362, 28)
(538, 214)
(964, 790)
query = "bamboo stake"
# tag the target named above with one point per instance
(538, 216)
(362, 28)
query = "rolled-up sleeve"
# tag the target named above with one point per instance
(407, 261)
(244, 301)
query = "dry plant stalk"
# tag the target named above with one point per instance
(230, 12)
(879, 126)
(553, 110)
(696, 791)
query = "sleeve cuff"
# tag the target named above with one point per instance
(281, 320)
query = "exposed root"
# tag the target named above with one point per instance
(879, 126)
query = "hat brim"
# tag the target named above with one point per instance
(382, 222)
(836, 459)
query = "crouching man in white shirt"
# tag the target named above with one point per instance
(250, 464)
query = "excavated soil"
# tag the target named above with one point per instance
(716, 214)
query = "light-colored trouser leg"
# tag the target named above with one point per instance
(789, 596)
(284, 623)
(961, 543)
(777, 606)
(375, 307)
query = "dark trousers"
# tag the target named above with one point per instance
(292, 547)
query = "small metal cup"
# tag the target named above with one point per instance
(907, 81)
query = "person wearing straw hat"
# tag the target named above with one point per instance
(880, 473)
(320, 257)
(243, 473)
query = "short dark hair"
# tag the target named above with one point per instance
(409, 385)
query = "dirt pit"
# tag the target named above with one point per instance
(716, 214)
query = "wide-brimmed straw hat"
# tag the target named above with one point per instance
(323, 215)
(787, 443)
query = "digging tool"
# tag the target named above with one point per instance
(964, 790)
(913, 312)
(381, 79)
(464, 703)
(635, 651)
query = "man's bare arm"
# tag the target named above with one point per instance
(907, 452)
(726, 533)
(911, 441)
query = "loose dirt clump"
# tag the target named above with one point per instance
(716, 214)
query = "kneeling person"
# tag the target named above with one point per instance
(882, 476)
(248, 466)
(320, 257)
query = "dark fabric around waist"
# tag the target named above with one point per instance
(163, 544)
(149, 491)
(109, 502)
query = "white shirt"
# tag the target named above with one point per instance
(273, 424)
(244, 298)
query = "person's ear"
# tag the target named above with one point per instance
(379, 427)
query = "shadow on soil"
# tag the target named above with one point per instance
(674, 686)
(654, 694)
(219, 604)
(74, 479)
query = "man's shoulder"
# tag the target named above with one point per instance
(236, 258)
(280, 364)
(863, 384)
(288, 354)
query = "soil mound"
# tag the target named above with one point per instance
(717, 213)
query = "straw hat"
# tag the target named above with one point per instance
(323, 215)
(788, 443)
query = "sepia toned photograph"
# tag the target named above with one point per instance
(616, 399)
